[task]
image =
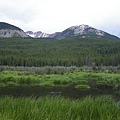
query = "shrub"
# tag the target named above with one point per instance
(46, 84)
(92, 83)
(25, 80)
(10, 84)
(57, 82)
(82, 87)
(101, 82)
(65, 82)
(82, 82)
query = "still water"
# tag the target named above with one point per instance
(66, 91)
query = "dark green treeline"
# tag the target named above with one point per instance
(66, 52)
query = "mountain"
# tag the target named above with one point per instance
(84, 31)
(8, 30)
(38, 34)
(80, 31)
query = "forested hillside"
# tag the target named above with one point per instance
(66, 52)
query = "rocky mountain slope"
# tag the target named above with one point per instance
(84, 31)
(81, 31)
(38, 34)
(8, 30)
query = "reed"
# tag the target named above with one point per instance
(59, 108)
(14, 78)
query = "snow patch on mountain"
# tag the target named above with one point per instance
(38, 34)
(79, 29)
(99, 32)
(82, 29)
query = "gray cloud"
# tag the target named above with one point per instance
(56, 15)
(15, 11)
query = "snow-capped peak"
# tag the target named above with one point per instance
(38, 34)
(79, 29)
(82, 27)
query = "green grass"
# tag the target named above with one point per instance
(78, 77)
(59, 108)
(82, 87)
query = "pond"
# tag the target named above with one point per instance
(66, 91)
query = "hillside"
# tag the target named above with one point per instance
(8, 30)
(66, 52)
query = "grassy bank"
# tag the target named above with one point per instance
(78, 77)
(58, 108)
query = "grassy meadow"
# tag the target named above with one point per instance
(59, 76)
(59, 108)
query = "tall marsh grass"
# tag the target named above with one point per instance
(14, 78)
(59, 108)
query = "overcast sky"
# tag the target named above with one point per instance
(56, 15)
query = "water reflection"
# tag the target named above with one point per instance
(68, 91)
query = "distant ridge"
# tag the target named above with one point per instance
(84, 31)
(8, 30)
(80, 31)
